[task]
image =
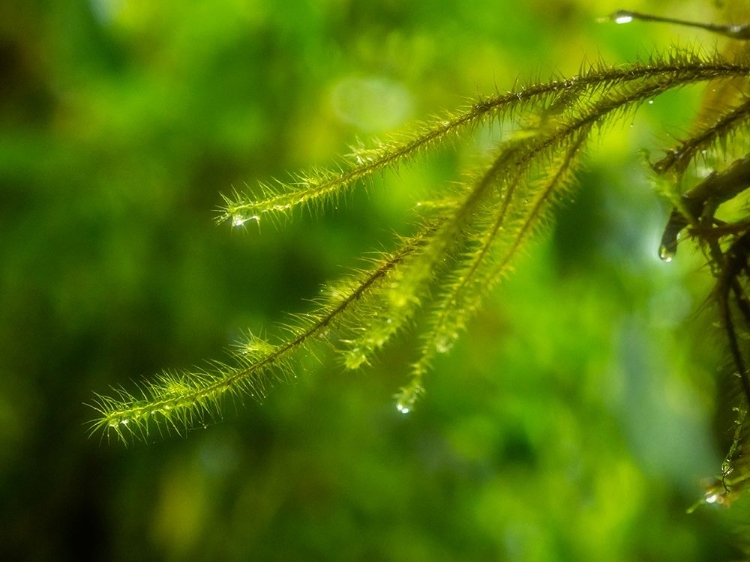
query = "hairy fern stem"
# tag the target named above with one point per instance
(466, 243)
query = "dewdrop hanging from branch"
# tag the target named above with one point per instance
(732, 31)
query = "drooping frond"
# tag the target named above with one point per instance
(486, 259)
(174, 402)
(465, 245)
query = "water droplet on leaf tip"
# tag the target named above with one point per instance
(240, 220)
(622, 17)
(666, 254)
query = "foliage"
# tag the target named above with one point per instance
(469, 235)
(572, 421)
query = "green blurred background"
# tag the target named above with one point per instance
(574, 421)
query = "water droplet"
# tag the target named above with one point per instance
(666, 253)
(408, 396)
(403, 408)
(621, 16)
(240, 220)
(670, 238)
(651, 102)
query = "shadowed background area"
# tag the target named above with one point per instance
(575, 419)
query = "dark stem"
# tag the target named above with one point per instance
(741, 32)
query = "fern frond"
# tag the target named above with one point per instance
(177, 402)
(465, 246)
(494, 249)
(464, 295)
(319, 186)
